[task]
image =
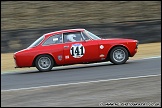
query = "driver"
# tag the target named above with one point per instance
(70, 37)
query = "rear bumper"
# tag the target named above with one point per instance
(17, 67)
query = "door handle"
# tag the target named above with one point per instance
(66, 46)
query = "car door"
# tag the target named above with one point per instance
(92, 47)
(91, 51)
(78, 50)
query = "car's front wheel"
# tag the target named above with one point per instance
(118, 55)
(44, 63)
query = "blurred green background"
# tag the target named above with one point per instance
(24, 21)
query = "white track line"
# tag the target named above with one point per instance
(78, 83)
(150, 58)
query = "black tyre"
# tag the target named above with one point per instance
(118, 55)
(44, 63)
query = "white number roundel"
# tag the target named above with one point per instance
(77, 50)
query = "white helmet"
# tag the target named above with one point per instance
(70, 37)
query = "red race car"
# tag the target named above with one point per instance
(74, 46)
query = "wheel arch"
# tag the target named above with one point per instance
(108, 54)
(33, 63)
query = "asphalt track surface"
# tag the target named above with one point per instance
(81, 73)
(136, 83)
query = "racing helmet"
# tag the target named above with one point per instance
(70, 37)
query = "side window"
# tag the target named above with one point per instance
(53, 40)
(72, 37)
(85, 36)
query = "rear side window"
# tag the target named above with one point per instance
(56, 39)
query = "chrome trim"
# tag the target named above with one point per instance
(44, 62)
(62, 38)
(119, 55)
(88, 35)
(137, 42)
(82, 36)
(66, 46)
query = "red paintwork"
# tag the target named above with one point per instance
(25, 58)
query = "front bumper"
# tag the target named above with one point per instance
(137, 44)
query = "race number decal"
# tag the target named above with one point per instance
(77, 50)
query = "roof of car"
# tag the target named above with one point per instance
(64, 31)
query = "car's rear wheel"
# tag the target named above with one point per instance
(44, 62)
(118, 55)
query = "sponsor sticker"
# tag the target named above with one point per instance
(67, 57)
(101, 47)
(60, 57)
